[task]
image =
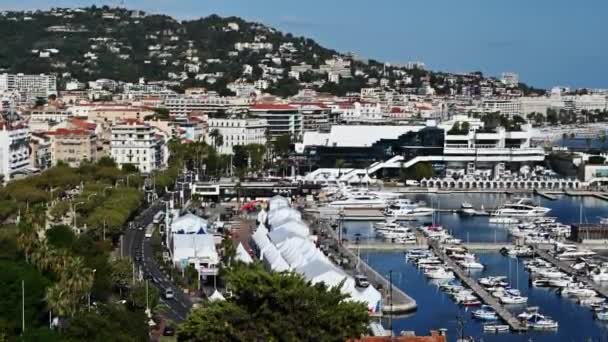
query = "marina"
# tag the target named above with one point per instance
(487, 240)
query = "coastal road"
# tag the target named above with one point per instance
(139, 249)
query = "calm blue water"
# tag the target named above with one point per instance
(578, 144)
(437, 310)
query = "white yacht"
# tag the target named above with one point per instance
(440, 273)
(359, 202)
(406, 209)
(573, 254)
(600, 274)
(502, 220)
(521, 208)
(470, 263)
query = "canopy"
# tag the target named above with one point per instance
(279, 216)
(273, 259)
(198, 246)
(277, 202)
(216, 296)
(189, 224)
(242, 255)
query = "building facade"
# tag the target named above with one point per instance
(14, 150)
(73, 146)
(29, 87)
(136, 143)
(237, 132)
(282, 119)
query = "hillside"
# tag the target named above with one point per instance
(124, 45)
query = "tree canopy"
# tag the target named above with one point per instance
(268, 306)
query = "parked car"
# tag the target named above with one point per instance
(361, 281)
(169, 331)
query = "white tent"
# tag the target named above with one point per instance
(299, 251)
(189, 224)
(262, 216)
(260, 238)
(273, 259)
(242, 255)
(194, 246)
(289, 229)
(216, 296)
(277, 217)
(277, 202)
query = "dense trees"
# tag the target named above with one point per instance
(275, 306)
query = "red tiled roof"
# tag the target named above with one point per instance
(66, 131)
(272, 106)
(83, 124)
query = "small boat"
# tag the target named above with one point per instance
(470, 264)
(470, 302)
(541, 282)
(495, 328)
(590, 301)
(485, 313)
(440, 273)
(602, 315)
(511, 299)
(540, 322)
(503, 220)
(493, 281)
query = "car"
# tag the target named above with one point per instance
(361, 281)
(169, 331)
(169, 294)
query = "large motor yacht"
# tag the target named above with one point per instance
(521, 208)
(406, 209)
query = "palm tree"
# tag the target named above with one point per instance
(58, 300)
(218, 139)
(43, 256)
(27, 239)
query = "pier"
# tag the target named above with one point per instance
(388, 246)
(400, 303)
(565, 267)
(514, 323)
(546, 195)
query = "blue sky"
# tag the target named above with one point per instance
(548, 42)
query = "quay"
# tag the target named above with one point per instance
(387, 246)
(596, 194)
(547, 195)
(514, 323)
(400, 303)
(565, 267)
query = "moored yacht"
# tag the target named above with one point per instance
(359, 202)
(522, 208)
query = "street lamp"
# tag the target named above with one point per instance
(89, 294)
(74, 206)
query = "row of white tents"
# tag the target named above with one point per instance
(288, 246)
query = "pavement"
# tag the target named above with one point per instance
(136, 246)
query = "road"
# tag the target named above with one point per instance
(136, 246)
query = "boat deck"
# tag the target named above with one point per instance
(514, 323)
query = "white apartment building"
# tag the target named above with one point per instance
(282, 119)
(136, 143)
(237, 132)
(508, 107)
(358, 111)
(184, 105)
(510, 79)
(14, 150)
(50, 113)
(29, 86)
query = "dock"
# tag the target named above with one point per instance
(400, 303)
(387, 246)
(565, 267)
(547, 195)
(596, 194)
(514, 323)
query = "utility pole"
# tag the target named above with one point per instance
(22, 307)
(390, 293)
